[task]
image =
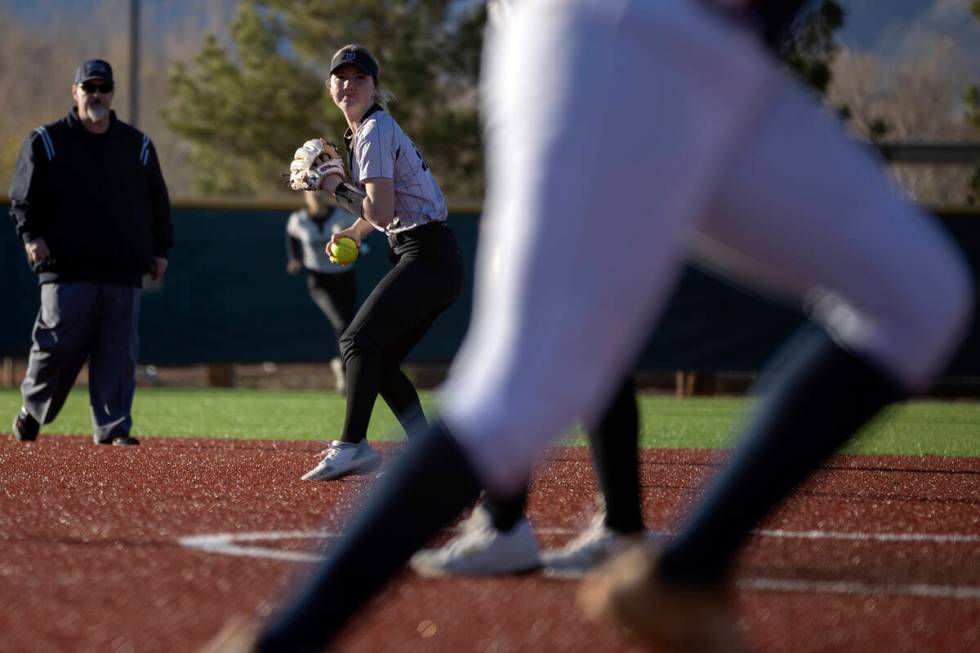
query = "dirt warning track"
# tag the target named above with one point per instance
(151, 548)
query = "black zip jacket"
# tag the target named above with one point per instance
(98, 200)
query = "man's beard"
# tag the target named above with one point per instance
(97, 112)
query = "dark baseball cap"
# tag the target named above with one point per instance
(357, 55)
(93, 69)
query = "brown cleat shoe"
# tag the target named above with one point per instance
(239, 635)
(628, 591)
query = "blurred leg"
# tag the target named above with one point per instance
(808, 215)
(804, 214)
(614, 443)
(505, 511)
(587, 219)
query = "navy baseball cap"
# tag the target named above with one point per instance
(357, 55)
(93, 69)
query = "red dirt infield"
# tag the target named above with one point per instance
(875, 554)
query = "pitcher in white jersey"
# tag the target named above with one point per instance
(402, 200)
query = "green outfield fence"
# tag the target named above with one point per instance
(227, 299)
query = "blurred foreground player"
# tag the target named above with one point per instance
(741, 166)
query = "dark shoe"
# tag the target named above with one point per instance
(121, 441)
(25, 427)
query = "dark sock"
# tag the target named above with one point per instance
(817, 398)
(426, 489)
(506, 511)
(614, 454)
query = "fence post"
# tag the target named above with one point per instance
(7, 379)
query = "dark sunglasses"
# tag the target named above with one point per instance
(89, 87)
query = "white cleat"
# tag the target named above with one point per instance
(591, 548)
(481, 550)
(343, 459)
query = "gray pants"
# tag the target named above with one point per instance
(81, 321)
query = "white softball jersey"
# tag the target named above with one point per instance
(313, 237)
(379, 148)
(658, 129)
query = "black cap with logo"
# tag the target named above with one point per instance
(93, 69)
(357, 55)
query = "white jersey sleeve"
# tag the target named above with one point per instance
(380, 149)
(376, 150)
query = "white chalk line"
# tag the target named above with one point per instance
(227, 544)
(938, 538)
(240, 544)
(922, 590)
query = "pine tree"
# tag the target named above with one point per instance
(254, 103)
(244, 109)
(809, 50)
(429, 54)
(810, 47)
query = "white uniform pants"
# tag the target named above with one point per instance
(622, 137)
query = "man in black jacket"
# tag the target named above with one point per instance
(90, 203)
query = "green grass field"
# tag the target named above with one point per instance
(922, 427)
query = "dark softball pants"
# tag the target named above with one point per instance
(81, 321)
(426, 279)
